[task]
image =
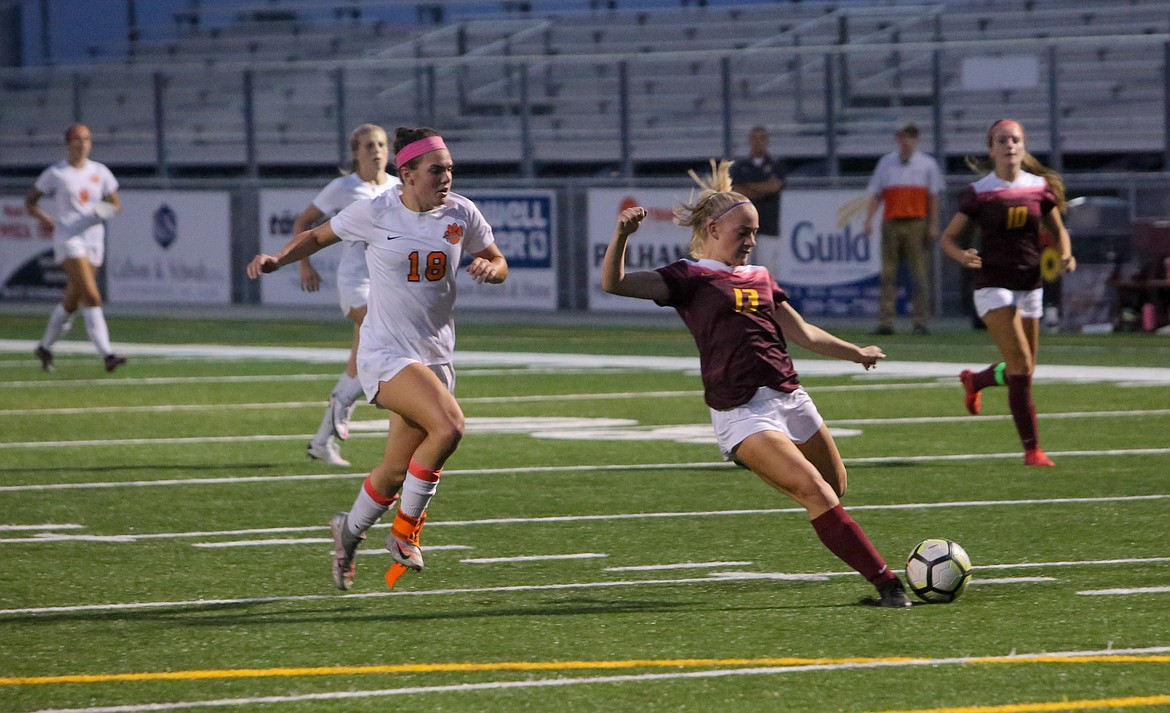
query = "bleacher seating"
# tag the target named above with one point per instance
(465, 78)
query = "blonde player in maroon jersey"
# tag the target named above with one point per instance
(1009, 204)
(739, 318)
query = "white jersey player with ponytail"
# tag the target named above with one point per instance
(367, 179)
(415, 236)
(81, 195)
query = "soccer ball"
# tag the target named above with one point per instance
(938, 570)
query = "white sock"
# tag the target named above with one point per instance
(366, 510)
(99, 333)
(416, 495)
(59, 322)
(347, 390)
(325, 430)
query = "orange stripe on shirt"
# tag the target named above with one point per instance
(905, 202)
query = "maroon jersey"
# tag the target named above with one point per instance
(729, 312)
(1009, 217)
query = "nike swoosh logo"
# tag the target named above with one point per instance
(391, 237)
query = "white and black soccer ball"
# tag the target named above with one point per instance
(938, 570)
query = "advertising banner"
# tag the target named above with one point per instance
(822, 260)
(27, 271)
(523, 222)
(170, 247)
(279, 207)
(658, 241)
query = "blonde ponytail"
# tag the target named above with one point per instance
(715, 199)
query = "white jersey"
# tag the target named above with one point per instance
(74, 194)
(413, 260)
(341, 191)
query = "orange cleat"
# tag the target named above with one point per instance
(1037, 457)
(972, 399)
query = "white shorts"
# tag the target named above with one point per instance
(352, 295)
(792, 414)
(1029, 303)
(376, 367)
(78, 246)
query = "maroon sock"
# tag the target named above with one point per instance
(845, 539)
(1023, 410)
(985, 378)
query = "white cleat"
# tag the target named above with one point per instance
(326, 452)
(406, 553)
(339, 416)
(345, 544)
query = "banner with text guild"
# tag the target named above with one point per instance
(821, 259)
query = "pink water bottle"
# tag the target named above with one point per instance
(1149, 317)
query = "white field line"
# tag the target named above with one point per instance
(301, 541)
(711, 578)
(679, 565)
(464, 360)
(48, 537)
(1011, 580)
(522, 471)
(44, 526)
(160, 408)
(532, 558)
(162, 380)
(538, 398)
(1131, 590)
(586, 680)
(998, 417)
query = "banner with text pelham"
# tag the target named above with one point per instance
(821, 259)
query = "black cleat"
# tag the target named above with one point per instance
(45, 356)
(113, 361)
(891, 595)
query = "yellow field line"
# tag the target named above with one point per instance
(1132, 702)
(548, 666)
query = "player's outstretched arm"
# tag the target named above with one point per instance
(301, 246)
(817, 340)
(615, 280)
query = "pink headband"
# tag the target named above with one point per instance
(996, 124)
(417, 148)
(733, 205)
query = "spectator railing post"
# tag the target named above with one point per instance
(830, 119)
(342, 118)
(527, 150)
(1055, 144)
(252, 168)
(160, 126)
(1166, 107)
(624, 118)
(725, 81)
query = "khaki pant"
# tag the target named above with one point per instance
(905, 240)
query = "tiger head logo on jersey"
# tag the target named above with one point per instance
(454, 233)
